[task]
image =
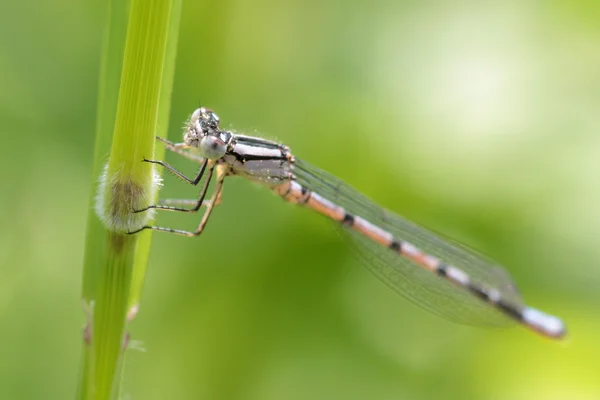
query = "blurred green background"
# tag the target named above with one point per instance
(477, 119)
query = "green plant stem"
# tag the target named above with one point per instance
(127, 183)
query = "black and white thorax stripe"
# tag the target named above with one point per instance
(258, 159)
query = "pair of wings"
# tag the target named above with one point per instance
(410, 280)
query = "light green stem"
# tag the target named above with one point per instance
(127, 183)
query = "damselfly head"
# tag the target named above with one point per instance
(203, 132)
(203, 122)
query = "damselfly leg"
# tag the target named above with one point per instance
(198, 203)
(181, 149)
(214, 200)
(175, 204)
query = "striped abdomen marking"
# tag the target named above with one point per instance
(548, 325)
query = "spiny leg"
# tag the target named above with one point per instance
(216, 198)
(221, 173)
(188, 202)
(180, 174)
(197, 203)
(180, 148)
(174, 145)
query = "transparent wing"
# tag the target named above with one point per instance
(418, 285)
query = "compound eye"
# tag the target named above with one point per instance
(212, 147)
(209, 117)
(214, 118)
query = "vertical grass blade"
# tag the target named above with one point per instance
(164, 108)
(136, 80)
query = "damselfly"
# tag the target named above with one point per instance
(443, 277)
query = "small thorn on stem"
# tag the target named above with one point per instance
(87, 334)
(132, 312)
(126, 339)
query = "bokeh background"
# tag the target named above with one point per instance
(477, 119)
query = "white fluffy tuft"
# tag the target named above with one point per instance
(116, 199)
